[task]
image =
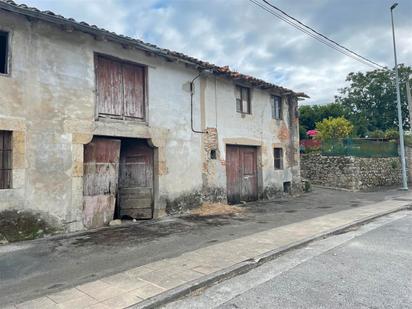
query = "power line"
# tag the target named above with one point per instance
(312, 34)
(322, 35)
(315, 34)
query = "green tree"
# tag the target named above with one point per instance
(334, 128)
(309, 115)
(370, 99)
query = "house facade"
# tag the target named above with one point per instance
(96, 126)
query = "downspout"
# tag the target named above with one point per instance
(191, 100)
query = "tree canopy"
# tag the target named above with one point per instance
(368, 102)
(370, 99)
(309, 115)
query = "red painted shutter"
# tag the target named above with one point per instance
(109, 87)
(133, 87)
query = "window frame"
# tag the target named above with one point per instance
(239, 107)
(122, 118)
(4, 185)
(7, 33)
(278, 104)
(278, 160)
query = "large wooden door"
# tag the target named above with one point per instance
(241, 173)
(136, 180)
(100, 180)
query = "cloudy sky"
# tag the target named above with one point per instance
(240, 34)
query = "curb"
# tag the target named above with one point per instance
(247, 265)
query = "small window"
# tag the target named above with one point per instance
(278, 158)
(243, 100)
(276, 107)
(4, 36)
(287, 187)
(5, 159)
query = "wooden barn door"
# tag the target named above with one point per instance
(248, 173)
(136, 180)
(241, 173)
(101, 173)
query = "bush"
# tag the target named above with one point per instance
(376, 134)
(302, 132)
(392, 133)
(408, 138)
(334, 128)
(310, 145)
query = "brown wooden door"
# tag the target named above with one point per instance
(136, 180)
(241, 173)
(100, 180)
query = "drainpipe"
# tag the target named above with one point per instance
(204, 72)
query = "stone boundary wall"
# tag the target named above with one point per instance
(408, 159)
(353, 173)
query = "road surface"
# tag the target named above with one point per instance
(33, 269)
(370, 267)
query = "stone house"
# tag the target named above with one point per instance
(95, 125)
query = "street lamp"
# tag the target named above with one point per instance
(398, 97)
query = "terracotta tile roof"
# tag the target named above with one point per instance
(69, 24)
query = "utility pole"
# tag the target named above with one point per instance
(398, 97)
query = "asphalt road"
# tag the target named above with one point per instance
(370, 267)
(32, 269)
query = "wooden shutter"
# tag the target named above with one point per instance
(238, 99)
(276, 107)
(273, 105)
(109, 87)
(245, 100)
(5, 159)
(133, 89)
(278, 158)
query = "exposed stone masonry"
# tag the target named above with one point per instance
(351, 173)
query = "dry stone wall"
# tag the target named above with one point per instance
(351, 173)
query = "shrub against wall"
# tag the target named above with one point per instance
(310, 145)
(334, 128)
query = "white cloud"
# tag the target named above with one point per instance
(248, 39)
(109, 14)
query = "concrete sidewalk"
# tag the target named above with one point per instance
(159, 282)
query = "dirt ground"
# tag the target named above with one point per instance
(211, 209)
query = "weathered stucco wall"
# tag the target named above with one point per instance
(48, 101)
(351, 172)
(255, 129)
